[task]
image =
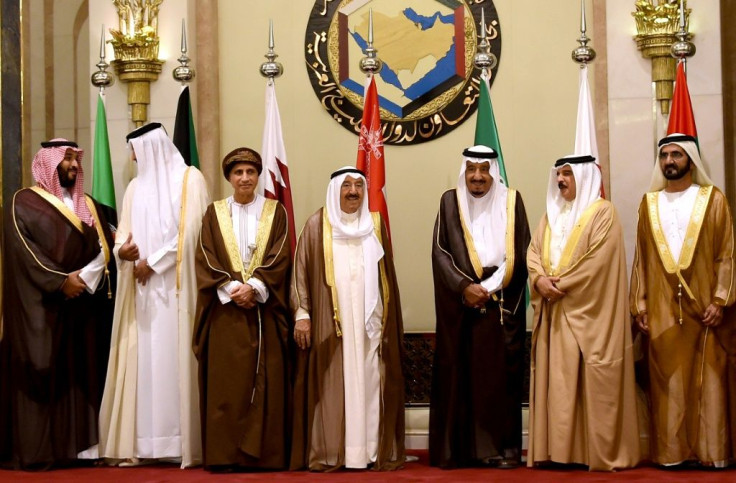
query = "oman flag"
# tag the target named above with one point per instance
(370, 154)
(275, 177)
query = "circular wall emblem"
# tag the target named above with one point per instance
(428, 85)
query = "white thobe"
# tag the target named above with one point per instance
(361, 372)
(675, 210)
(559, 235)
(158, 427)
(245, 218)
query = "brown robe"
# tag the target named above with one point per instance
(319, 416)
(583, 401)
(692, 369)
(478, 370)
(243, 413)
(53, 356)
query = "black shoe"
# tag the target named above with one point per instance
(508, 464)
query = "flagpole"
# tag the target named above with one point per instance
(484, 59)
(683, 48)
(102, 78)
(183, 73)
(271, 69)
(370, 64)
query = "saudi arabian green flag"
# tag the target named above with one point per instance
(486, 132)
(103, 187)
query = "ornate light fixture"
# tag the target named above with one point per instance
(136, 52)
(657, 31)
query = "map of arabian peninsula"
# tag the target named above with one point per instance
(417, 48)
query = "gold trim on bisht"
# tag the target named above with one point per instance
(103, 241)
(59, 205)
(472, 253)
(182, 224)
(330, 269)
(572, 241)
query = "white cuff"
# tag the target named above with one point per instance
(301, 314)
(91, 274)
(260, 288)
(223, 293)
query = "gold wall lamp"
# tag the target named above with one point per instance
(662, 31)
(136, 52)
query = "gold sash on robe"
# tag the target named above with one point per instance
(572, 241)
(225, 222)
(510, 227)
(330, 268)
(691, 235)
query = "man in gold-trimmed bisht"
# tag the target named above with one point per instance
(58, 315)
(349, 387)
(241, 333)
(582, 402)
(479, 263)
(150, 410)
(682, 282)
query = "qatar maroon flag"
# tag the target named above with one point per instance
(370, 154)
(682, 119)
(275, 182)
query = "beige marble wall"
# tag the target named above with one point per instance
(635, 123)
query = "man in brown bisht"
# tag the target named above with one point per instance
(583, 402)
(682, 281)
(479, 264)
(58, 315)
(241, 331)
(349, 388)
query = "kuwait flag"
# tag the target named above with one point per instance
(185, 138)
(276, 184)
(103, 187)
(585, 139)
(682, 119)
(486, 132)
(370, 153)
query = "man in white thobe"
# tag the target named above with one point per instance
(150, 406)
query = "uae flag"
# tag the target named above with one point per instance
(103, 187)
(185, 138)
(682, 119)
(585, 139)
(275, 182)
(486, 132)
(370, 154)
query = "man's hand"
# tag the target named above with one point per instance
(547, 288)
(73, 286)
(302, 334)
(244, 296)
(142, 271)
(642, 322)
(129, 250)
(474, 295)
(713, 316)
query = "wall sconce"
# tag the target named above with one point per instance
(136, 52)
(657, 29)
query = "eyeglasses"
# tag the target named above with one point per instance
(675, 155)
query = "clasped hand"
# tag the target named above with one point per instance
(475, 295)
(244, 296)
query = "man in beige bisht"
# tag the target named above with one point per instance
(683, 278)
(582, 403)
(150, 407)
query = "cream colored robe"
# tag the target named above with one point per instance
(118, 411)
(582, 402)
(692, 369)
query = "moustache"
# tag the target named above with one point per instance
(561, 185)
(353, 197)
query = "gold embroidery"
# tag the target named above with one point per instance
(224, 220)
(59, 205)
(437, 242)
(262, 234)
(472, 253)
(382, 270)
(103, 241)
(23, 239)
(510, 230)
(330, 268)
(572, 241)
(182, 224)
(545, 249)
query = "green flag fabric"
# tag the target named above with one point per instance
(486, 132)
(185, 138)
(103, 187)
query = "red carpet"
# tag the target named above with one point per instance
(417, 471)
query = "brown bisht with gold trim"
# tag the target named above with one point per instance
(319, 408)
(478, 371)
(692, 368)
(54, 351)
(243, 353)
(583, 401)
